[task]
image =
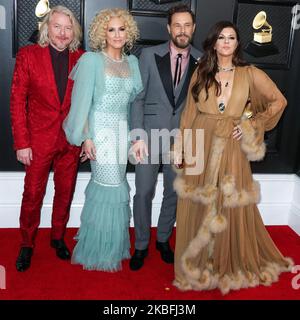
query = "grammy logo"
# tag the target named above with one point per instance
(41, 9)
(260, 22)
(261, 45)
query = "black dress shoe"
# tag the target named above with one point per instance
(24, 259)
(166, 253)
(137, 260)
(61, 249)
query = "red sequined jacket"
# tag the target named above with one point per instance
(36, 111)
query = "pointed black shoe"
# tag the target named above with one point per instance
(24, 259)
(137, 260)
(166, 253)
(61, 249)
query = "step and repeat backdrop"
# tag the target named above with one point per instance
(19, 26)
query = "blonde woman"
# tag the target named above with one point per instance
(105, 83)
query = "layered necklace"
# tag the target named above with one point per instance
(225, 69)
(224, 87)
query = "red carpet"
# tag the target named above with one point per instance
(51, 278)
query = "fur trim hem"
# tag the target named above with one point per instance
(218, 224)
(208, 280)
(201, 240)
(234, 198)
(249, 145)
(213, 223)
(182, 286)
(206, 194)
(179, 171)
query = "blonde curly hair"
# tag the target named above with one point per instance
(98, 28)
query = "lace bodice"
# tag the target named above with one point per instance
(109, 122)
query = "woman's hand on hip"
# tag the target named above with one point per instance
(237, 132)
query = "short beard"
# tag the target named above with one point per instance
(55, 45)
(180, 45)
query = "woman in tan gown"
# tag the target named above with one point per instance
(221, 241)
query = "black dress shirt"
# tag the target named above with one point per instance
(60, 64)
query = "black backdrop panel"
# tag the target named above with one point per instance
(25, 21)
(155, 8)
(283, 143)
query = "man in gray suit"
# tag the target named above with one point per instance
(166, 71)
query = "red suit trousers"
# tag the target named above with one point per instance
(65, 166)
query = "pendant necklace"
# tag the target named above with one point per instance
(221, 105)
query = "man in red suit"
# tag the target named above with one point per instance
(40, 101)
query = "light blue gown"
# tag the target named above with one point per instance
(101, 98)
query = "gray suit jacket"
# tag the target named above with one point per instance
(158, 106)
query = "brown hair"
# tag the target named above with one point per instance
(208, 65)
(178, 9)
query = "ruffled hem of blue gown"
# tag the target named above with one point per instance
(103, 238)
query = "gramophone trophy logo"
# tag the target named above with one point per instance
(261, 45)
(41, 9)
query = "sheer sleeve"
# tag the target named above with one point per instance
(76, 124)
(266, 93)
(137, 80)
(267, 105)
(137, 106)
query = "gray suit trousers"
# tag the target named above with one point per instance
(145, 181)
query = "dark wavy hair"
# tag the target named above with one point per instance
(179, 9)
(208, 65)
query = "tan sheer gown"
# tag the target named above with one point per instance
(221, 241)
